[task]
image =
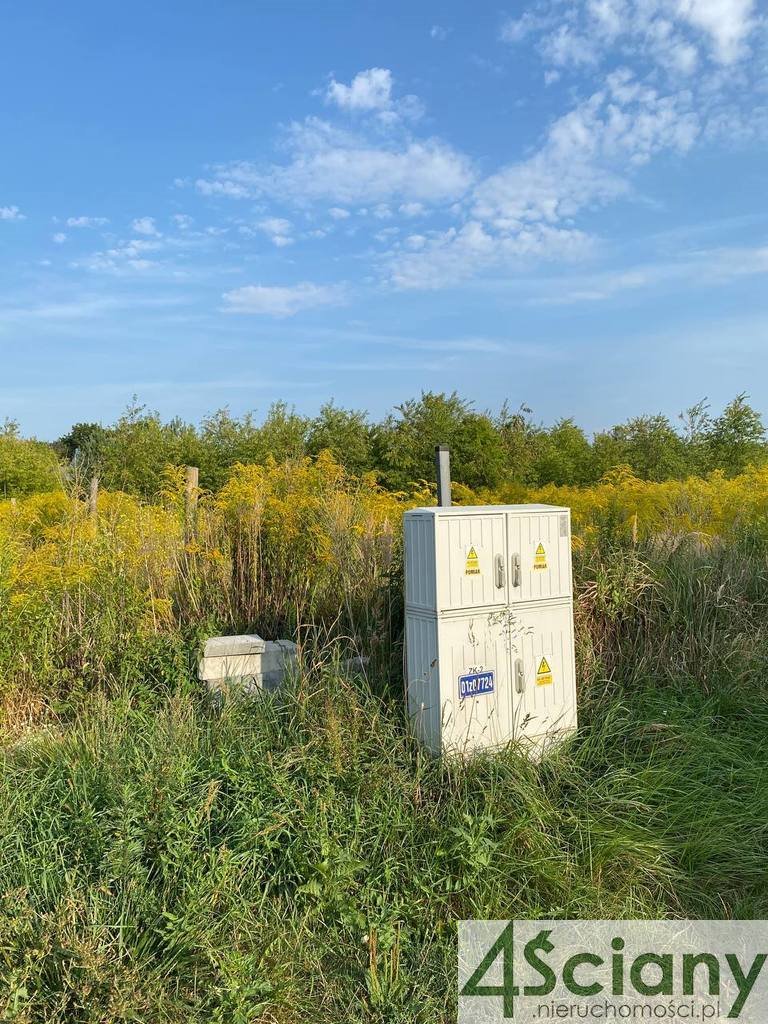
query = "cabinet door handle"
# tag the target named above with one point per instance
(519, 675)
(515, 570)
(501, 574)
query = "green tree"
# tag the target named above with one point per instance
(520, 440)
(564, 455)
(736, 438)
(83, 447)
(140, 446)
(648, 444)
(283, 434)
(225, 440)
(696, 424)
(408, 439)
(346, 433)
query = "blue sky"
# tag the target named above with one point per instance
(556, 203)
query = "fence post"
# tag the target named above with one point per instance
(93, 497)
(191, 491)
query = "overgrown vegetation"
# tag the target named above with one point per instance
(489, 451)
(26, 465)
(297, 858)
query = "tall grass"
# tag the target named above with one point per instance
(297, 857)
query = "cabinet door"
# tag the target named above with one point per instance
(471, 558)
(543, 671)
(422, 679)
(540, 556)
(476, 696)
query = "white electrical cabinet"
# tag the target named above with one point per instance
(489, 626)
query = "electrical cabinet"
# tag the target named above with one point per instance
(489, 626)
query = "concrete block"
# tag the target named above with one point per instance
(230, 667)
(279, 656)
(225, 646)
(246, 663)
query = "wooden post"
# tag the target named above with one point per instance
(191, 491)
(93, 497)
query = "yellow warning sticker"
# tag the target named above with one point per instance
(540, 558)
(472, 566)
(543, 673)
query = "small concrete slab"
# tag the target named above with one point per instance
(278, 655)
(231, 667)
(247, 662)
(225, 646)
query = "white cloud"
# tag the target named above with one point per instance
(457, 255)
(669, 32)
(142, 264)
(411, 209)
(128, 255)
(221, 188)
(281, 301)
(344, 168)
(137, 246)
(278, 229)
(698, 269)
(654, 79)
(369, 90)
(86, 222)
(59, 238)
(587, 154)
(728, 23)
(183, 221)
(566, 47)
(11, 213)
(275, 226)
(527, 209)
(515, 30)
(609, 15)
(144, 226)
(439, 32)
(370, 93)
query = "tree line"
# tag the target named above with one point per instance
(488, 450)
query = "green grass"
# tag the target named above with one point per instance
(297, 858)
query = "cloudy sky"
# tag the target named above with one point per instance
(209, 204)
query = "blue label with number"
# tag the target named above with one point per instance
(474, 684)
